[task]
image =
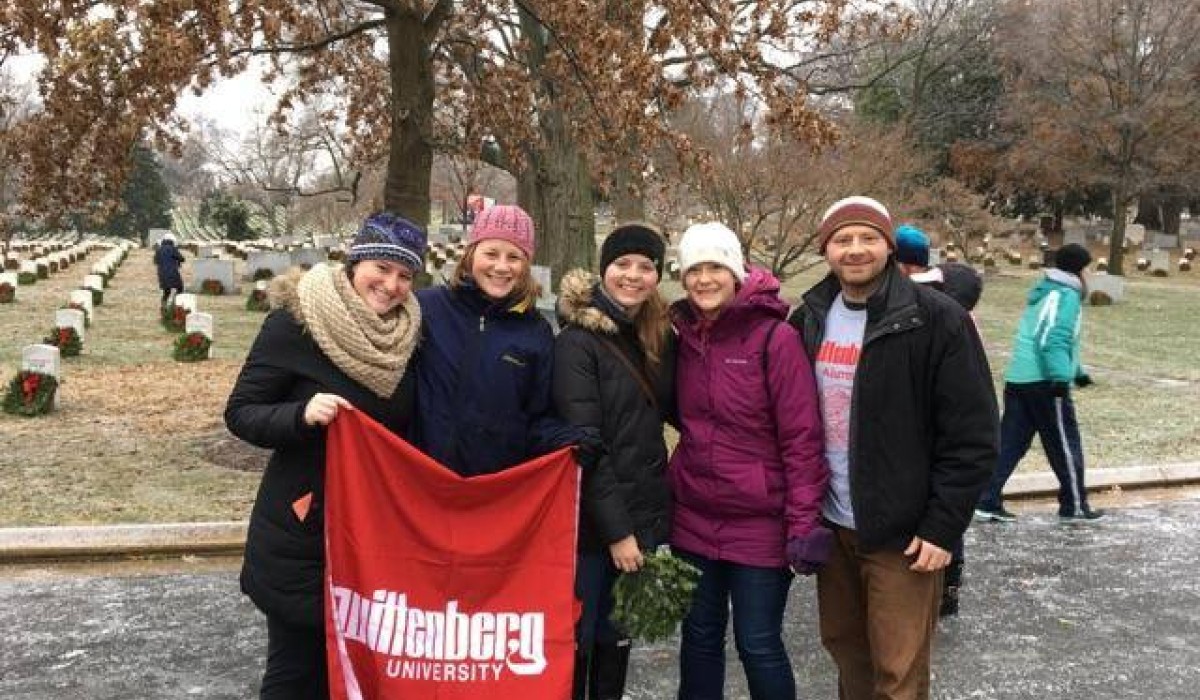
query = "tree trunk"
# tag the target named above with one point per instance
(556, 191)
(629, 196)
(1116, 253)
(410, 157)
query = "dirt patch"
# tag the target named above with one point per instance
(224, 450)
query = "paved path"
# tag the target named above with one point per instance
(1104, 612)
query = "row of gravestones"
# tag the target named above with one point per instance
(22, 272)
(221, 273)
(45, 358)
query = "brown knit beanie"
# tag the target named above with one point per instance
(851, 211)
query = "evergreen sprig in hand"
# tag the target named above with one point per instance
(650, 604)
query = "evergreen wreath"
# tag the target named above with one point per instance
(173, 317)
(8, 293)
(66, 339)
(212, 288)
(87, 317)
(97, 295)
(43, 271)
(191, 347)
(30, 394)
(263, 273)
(26, 278)
(650, 604)
(257, 301)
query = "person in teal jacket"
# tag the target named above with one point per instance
(1037, 390)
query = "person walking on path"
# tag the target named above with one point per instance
(1037, 390)
(167, 260)
(338, 337)
(910, 437)
(614, 372)
(748, 474)
(963, 284)
(486, 359)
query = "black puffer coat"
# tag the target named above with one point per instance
(167, 260)
(627, 492)
(284, 564)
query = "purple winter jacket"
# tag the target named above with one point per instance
(749, 472)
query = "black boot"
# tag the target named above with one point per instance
(950, 588)
(610, 664)
(579, 682)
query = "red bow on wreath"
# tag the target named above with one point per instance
(29, 386)
(64, 336)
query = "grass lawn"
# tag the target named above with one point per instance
(138, 437)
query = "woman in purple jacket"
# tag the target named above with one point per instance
(749, 472)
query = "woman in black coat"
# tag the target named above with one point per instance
(614, 372)
(337, 337)
(167, 260)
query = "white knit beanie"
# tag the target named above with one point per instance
(712, 242)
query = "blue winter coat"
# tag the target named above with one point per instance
(168, 259)
(483, 383)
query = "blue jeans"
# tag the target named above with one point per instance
(758, 596)
(594, 578)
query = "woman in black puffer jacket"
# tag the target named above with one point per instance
(614, 372)
(337, 337)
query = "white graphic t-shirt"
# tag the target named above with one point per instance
(836, 363)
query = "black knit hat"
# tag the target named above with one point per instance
(635, 237)
(1072, 258)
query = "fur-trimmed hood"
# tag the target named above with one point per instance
(577, 306)
(282, 293)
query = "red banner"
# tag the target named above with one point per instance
(445, 588)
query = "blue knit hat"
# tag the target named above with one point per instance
(387, 236)
(912, 245)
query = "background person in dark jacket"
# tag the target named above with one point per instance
(167, 260)
(962, 284)
(614, 372)
(486, 358)
(337, 337)
(910, 437)
(748, 475)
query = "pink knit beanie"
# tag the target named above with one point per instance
(506, 222)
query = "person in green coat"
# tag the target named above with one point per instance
(1037, 390)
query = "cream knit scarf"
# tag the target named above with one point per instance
(371, 349)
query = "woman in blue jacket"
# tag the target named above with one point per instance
(486, 358)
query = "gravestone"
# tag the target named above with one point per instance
(45, 359)
(935, 257)
(199, 322)
(325, 243)
(95, 282)
(208, 250)
(547, 300)
(9, 277)
(1160, 263)
(70, 318)
(1111, 286)
(154, 235)
(1075, 236)
(442, 235)
(29, 267)
(82, 297)
(214, 269)
(307, 257)
(187, 301)
(275, 261)
(1135, 234)
(1162, 240)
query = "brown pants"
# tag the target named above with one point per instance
(877, 621)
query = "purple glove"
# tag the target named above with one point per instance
(806, 554)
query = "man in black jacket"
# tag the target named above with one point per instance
(910, 436)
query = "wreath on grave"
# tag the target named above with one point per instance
(337, 255)
(263, 273)
(173, 317)
(650, 604)
(30, 394)
(26, 278)
(97, 295)
(257, 301)
(191, 347)
(67, 341)
(8, 293)
(43, 271)
(212, 288)
(87, 318)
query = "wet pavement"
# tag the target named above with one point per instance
(1108, 611)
